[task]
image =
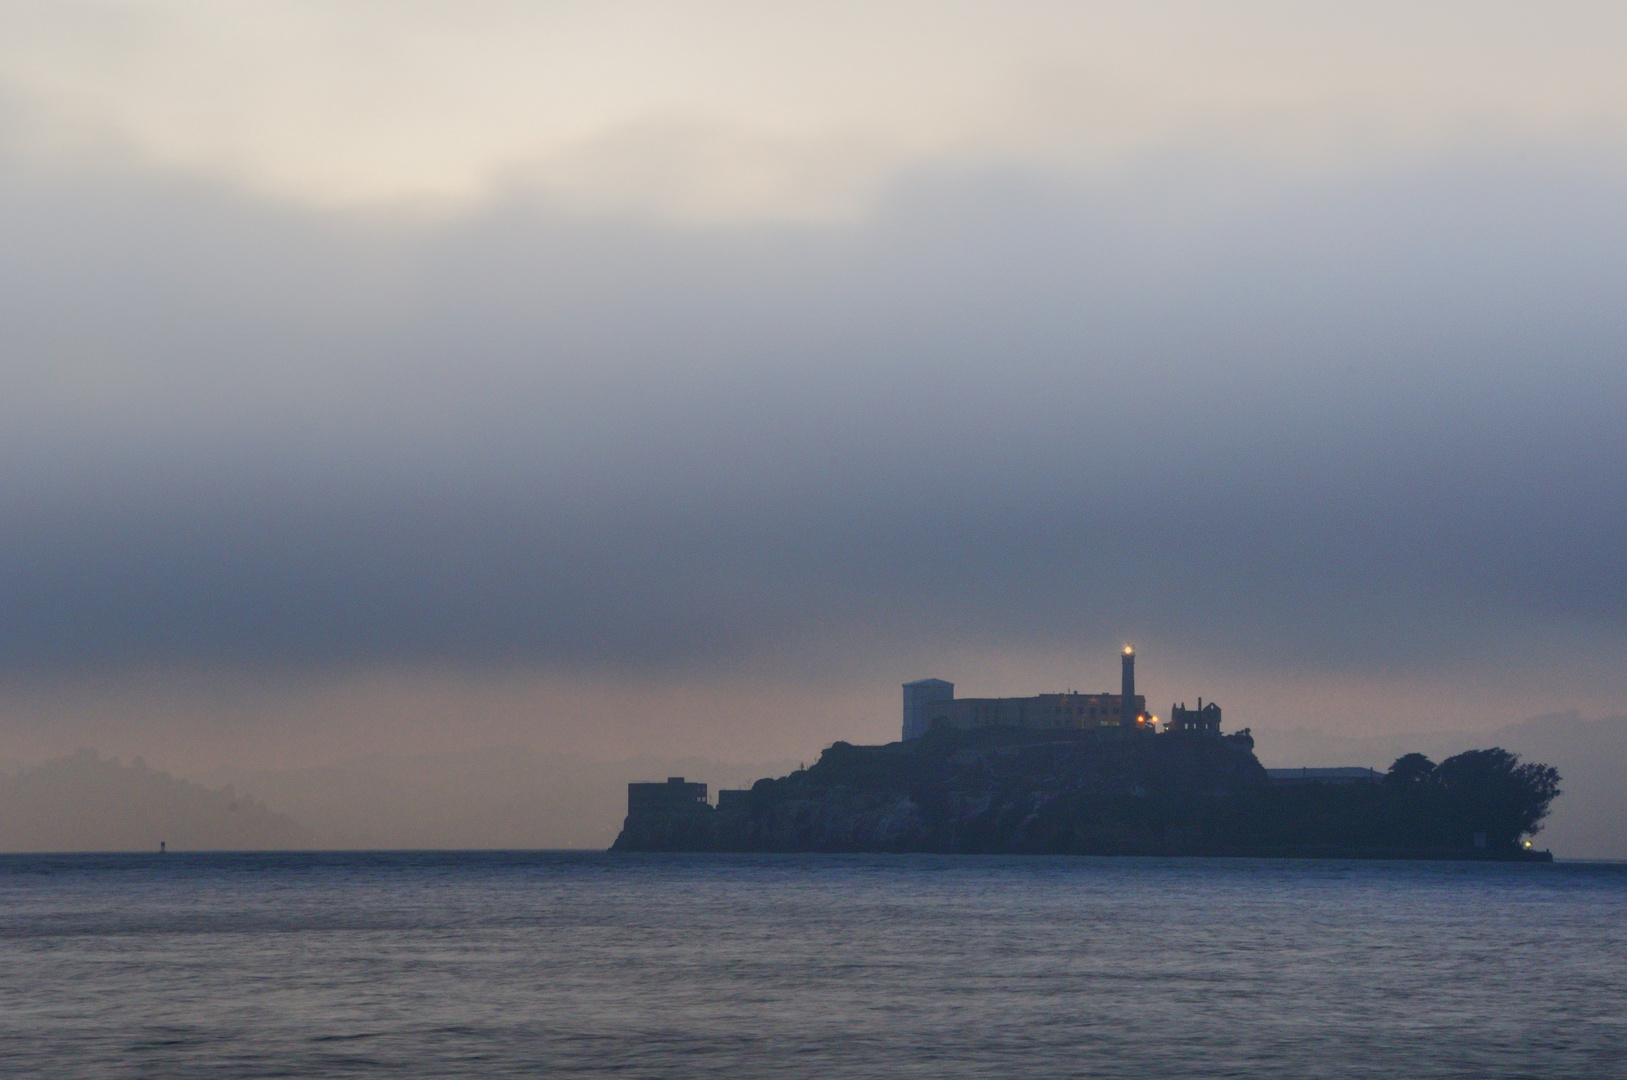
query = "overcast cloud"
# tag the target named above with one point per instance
(1294, 416)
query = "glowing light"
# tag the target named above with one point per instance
(1128, 651)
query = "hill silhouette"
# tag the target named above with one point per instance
(1008, 790)
(85, 802)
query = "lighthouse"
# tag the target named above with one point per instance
(1127, 699)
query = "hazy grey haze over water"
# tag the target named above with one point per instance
(544, 964)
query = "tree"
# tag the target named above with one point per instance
(1489, 791)
(1410, 769)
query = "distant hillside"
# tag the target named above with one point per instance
(1589, 820)
(86, 802)
(502, 797)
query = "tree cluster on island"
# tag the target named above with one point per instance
(1485, 792)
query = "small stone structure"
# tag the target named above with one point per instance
(1205, 719)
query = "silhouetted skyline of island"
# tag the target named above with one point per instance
(1082, 774)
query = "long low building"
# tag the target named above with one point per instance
(933, 701)
(676, 794)
(1068, 710)
(1342, 775)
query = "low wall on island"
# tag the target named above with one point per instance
(1106, 792)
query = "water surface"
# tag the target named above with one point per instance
(562, 965)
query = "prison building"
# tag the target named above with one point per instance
(1069, 710)
(733, 800)
(1345, 775)
(675, 794)
(933, 701)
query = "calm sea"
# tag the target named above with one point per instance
(561, 965)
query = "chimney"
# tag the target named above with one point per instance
(1127, 700)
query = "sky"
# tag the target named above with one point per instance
(628, 378)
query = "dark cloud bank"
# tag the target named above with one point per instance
(1345, 421)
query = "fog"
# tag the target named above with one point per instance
(85, 802)
(308, 460)
(1340, 427)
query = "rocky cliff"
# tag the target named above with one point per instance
(1111, 792)
(992, 790)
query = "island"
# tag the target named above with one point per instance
(1063, 782)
